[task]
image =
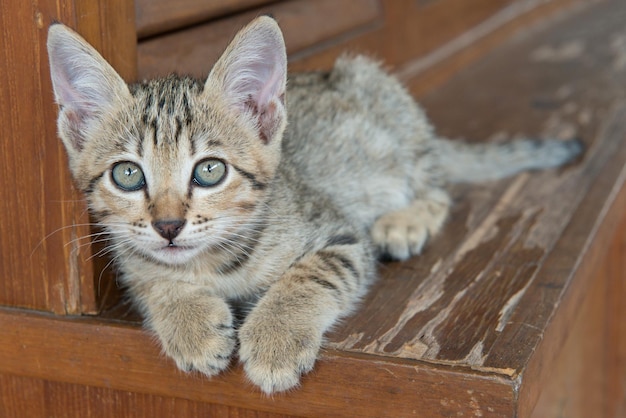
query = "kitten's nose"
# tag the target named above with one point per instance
(169, 229)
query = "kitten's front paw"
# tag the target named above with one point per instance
(275, 355)
(197, 332)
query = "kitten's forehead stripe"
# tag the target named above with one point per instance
(167, 107)
(155, 131)
(187, 110)
(179, 127)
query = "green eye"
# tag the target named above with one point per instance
(209, 172)
(128, 176)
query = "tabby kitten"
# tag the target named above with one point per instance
(210, 199)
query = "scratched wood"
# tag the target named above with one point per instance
(482, 294)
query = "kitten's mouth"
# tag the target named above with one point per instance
(173, 253)
(175, 247)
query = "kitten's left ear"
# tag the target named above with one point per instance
(85, 86)
(252, 75)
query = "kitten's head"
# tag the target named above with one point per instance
(173, 167)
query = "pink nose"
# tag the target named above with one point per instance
(169, 229)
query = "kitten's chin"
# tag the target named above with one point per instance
(174, 255)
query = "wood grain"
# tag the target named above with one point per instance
(44, 262)
(425, 73)
(122, 357)
(410, 30)
(305, 23)
(159, 16)
(30, 156)
(28, 397)
(586, 376)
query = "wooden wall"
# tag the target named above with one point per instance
(43, 262)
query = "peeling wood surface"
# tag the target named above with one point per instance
(483, 293)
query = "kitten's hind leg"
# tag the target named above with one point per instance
(402, 233)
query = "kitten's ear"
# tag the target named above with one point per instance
(252, 76)
(85, 85)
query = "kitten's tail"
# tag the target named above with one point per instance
(463, 162)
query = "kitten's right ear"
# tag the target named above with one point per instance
(252, 75)
(85, 85)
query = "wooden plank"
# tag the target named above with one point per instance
(158, 16)
(615, 271)
(410, 29)
(43, 263)
(99, 353)
(30, 153)
(425, 73)
(21, 397)
(305, 23)
(581, 344)
(29, 397)
(94, 20)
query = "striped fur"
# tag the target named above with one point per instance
(296, 222)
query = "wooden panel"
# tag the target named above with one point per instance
(157, 16)
(424, 74)
(22, 272)
(122, 357)
(43, 265)
(586, 377)
(304, 23)
(21, 397)
(28, 397)
(615, 272)
(410, 30)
